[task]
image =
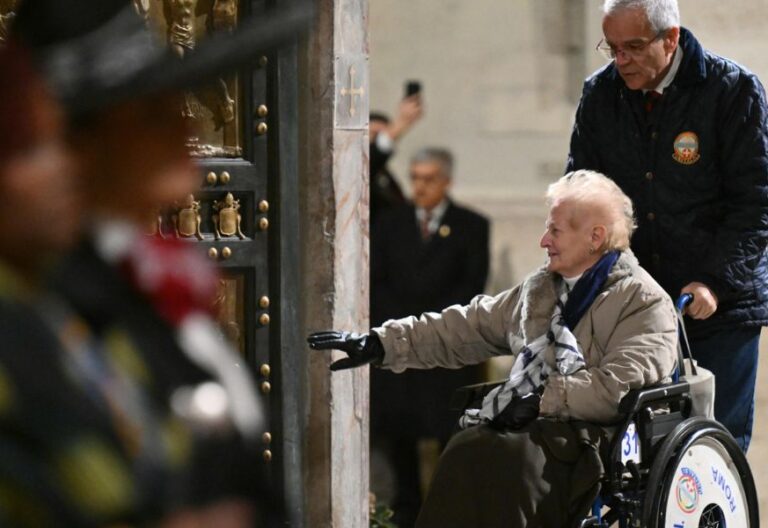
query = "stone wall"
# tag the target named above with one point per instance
(334, 231)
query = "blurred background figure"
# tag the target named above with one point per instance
(424, 257)
(384, 133)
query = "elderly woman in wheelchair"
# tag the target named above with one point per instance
(585, 330)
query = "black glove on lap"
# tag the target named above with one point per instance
(520, 412)
(361, 348)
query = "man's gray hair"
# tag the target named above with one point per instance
(662, 14)
(441, 156)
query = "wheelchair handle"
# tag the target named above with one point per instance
(680, 304)
(683, 301)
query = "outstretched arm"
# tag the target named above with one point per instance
(458, 336)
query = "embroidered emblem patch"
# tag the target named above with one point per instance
(686, 148)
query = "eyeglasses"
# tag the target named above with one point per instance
(633, 48)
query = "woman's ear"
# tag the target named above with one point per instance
(599, 236)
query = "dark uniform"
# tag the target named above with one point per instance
(108, 301)
(83, 440)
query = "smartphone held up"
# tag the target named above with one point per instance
(412, 88)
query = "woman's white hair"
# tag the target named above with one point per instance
(662, 14)
(591, 191)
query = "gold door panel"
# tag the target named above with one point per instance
(230, 309)
(213, 111)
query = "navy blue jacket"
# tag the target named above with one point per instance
(696, 169)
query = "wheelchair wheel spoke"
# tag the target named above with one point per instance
(712, 517)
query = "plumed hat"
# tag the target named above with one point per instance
(98, 52)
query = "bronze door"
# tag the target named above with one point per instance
(244, 215)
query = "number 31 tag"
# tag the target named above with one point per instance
(630, 445)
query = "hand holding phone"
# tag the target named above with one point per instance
(410, 110)
(412, 88)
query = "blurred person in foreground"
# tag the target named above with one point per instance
(53, 439)
(150, 417)
(585, 329)
(424, 257)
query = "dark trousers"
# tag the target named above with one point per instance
(401, 454)
(408, 407)
(543, 476)
(732, 356)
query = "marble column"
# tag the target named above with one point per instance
(334, 201)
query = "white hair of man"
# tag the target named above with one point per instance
(662, 14)
(441, 156)
(593, 194)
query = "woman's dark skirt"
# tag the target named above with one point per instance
(546, 475)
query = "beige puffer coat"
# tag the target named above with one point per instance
(628, 337)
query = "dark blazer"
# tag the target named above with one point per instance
(409, 277)
(696, 170)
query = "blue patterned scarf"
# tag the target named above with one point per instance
(530, 370)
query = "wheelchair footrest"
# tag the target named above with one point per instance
(591, 522)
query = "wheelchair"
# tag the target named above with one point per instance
(665, 468)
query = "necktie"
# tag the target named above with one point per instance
(424, 226)
(651, 98)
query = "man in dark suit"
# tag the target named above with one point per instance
(424, 257)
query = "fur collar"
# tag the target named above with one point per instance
(539, 294)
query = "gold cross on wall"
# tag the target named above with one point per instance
(352, 91)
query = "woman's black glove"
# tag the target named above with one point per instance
(518, 413)
(361, 348)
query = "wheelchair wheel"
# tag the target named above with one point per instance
(700, 479)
